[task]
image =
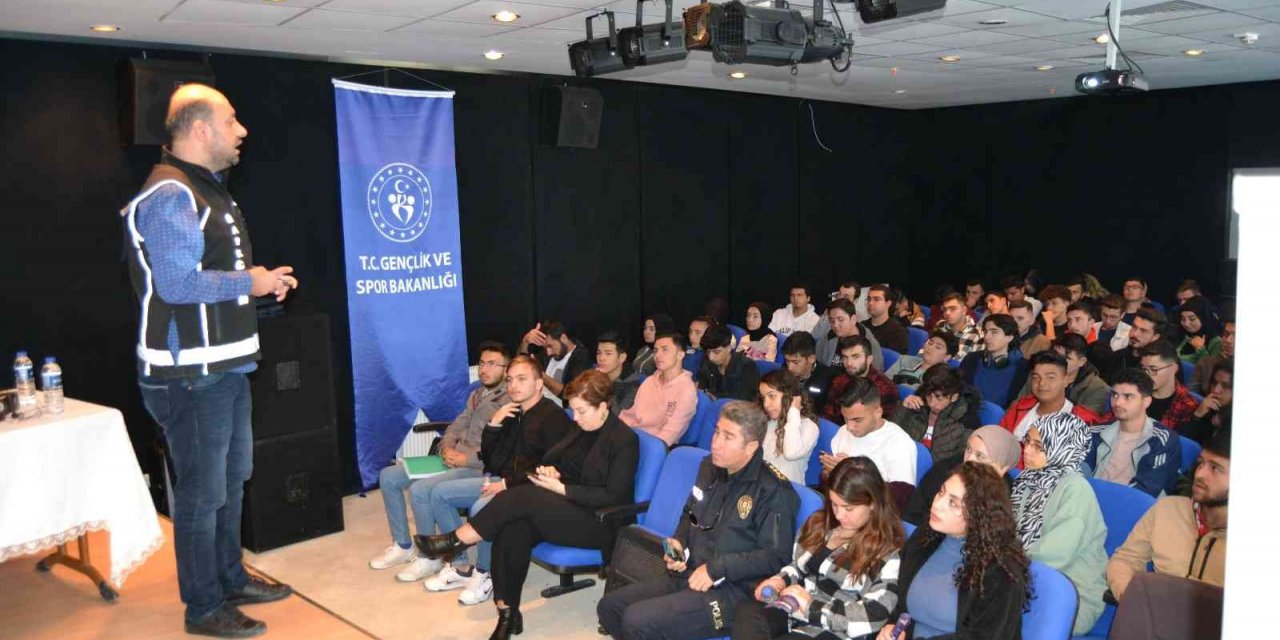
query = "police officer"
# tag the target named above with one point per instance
(738, 528)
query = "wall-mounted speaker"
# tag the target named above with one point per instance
(145, 87)
(571, 116)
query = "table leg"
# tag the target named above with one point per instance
(80, 565)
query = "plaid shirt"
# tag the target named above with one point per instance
(1182, 410)
(969, 338)
(888, 394)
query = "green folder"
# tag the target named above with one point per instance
(424, 466)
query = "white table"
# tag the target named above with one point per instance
(62, 476)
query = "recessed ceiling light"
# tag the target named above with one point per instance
(1044, 67)
(506, 16)
(104, 28)
(738, 75)
(949, 58)
(1102, 39)
(993, 21)
(493, 55)
(899, 91)
(1194, 52)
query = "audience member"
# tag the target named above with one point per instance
(1075, 285)
(997, 302)
(1184, 537)
(738, 529)
(1080, 322)
(909, 370)
(654, 325)
(989, 445)
(697, 328)
(867, 433)
(845, 573)
(975, 296)
(592, 467)
(844, 324)
(460, 451)
(1112, 331)
(1093, 289)
(855, 364)
(1147, 328)
(725, 373)
(947, 416)
(666, 400)
(997, 371)
(907, 313)
(1213, 416)
(1085, 387)
(1171, 403)
(1053, 319)
(1202, 375)
(937, 315)
(1048, 397)
(611, 360)
(1029, 340)
(1015, 289)
(802, 362)
(1201, 335)
(1135, 450)
(1134, 292)
(890, 334)
(957, 321)
(1187, 290)
(797, 316)
(964, 574)
(793, 426)
(760, 343)
(1059, 521)
(562, 357)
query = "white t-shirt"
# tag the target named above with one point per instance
(555, 368)
(801, 435)
(1034, 414)
(784, 321)
(893, 451)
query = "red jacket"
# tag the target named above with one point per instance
(1182, 410)
(1027, 403)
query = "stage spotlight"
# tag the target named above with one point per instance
(774, 36)
(878, 10)
(596, 56)
(646, 44)
(697, 24)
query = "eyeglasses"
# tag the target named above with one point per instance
(1151, 371)
(492, 364)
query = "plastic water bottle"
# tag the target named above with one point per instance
(51, 383)
(785, 603)
(25, 382)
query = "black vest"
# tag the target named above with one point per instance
(212, 337)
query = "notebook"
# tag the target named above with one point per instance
(424, 466)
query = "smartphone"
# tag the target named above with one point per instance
(670, 550)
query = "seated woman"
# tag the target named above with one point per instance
(1059, 520)
(760, 343)
(991, 445)
(591, 468)
(844, 577)
(791, 436)
(947, 416)
(1201, 331)
(964, 574)
(654, 326)
(1214, 413)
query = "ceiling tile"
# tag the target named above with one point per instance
(227, 12)
(1025, 45)
(348, 21)
(1233, 22)
(1013, 18)
(484, 10)
(1051, 28)
(412, 8)
(893, 49)
(600, 26)
(898, 30)
(458, 29)
(967, 40)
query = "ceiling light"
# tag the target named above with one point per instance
(993, 22)
(738, 75)
(104, 28)
(1102, 39)
(1193, 52)
(506, 16)
(899, 91)
(949, 58)
(493, 55)
(1044, 67)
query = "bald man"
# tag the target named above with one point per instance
(192, 269)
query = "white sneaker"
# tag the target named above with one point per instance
(479, 588)
(447, 580)
(421, 568)
(393, 556)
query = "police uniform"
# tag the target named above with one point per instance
(742, 527)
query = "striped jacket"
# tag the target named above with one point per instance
(1155, 461)
(841, 605)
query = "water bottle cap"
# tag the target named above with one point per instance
(50, 360)
(21, 354)
(768, 592)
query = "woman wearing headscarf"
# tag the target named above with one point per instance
(654, 326)
(760, 343)
(991, 445)
(1201, 331)
(1059, 521)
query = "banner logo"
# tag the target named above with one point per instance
(399, 198)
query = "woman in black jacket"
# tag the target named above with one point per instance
(964, 575)
(592, 468)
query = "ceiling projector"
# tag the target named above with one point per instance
(1111, 82)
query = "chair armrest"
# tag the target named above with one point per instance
(430, 426)
(1110, 598)
(620, 512)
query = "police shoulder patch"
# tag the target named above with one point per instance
(777, 474)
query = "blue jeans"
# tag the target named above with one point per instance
(206, 423)
(461, 494)
(394, 480)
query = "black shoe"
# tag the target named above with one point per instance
(226, 622)
(258, 591)
(442, 546)
(510, 623)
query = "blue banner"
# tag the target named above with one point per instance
(404, 264)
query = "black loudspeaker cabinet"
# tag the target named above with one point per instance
(295, 493)
(571, 116)
(145, 87)
(293, 386)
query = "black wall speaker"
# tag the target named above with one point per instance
(571, 116)
(293, 386)
(295, 493)
(145, 87)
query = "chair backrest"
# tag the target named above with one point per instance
(778, 358)
(990, 413)
(905, 390)
(679, 471)
(1188, 372)
(653, 452)
(692, 361)
(701, 415)
(1190, 453)
(1199, 398)
(737, 331)
(908, 528)
(924, 462)
(708, 428)
(810, 503)
(1122, 506)
(954, 363)
(826, 431)
(1052, 611)
(926, 312)
(890, 357)
(916, 337)
(765, 366)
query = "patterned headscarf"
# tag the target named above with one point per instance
(1066, 440)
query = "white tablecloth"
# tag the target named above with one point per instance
(62, 476)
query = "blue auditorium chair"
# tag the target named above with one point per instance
(826, 431)
(924, 462)
(705, 413)
(1188, 372)
(1052, 610)
(782, 339)
(765, 366)
(890, 357)
(1190, 453)
(708, 428)
(916, 337)
(990, 413)
(737, 332)
(1122, 506)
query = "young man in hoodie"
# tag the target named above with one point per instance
(998, 370)
(666, 400)
(797, 316)
(1135, 450)
(724, 372)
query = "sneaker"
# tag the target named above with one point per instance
(421, 568)
(479, 588)
(393, 556)
(447, 580)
